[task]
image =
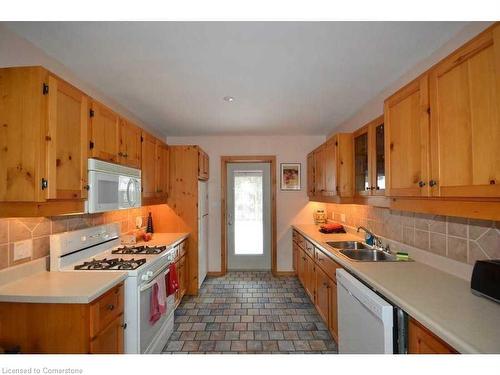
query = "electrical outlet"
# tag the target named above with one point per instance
(23, 249)
(342, 218)
(138, 222)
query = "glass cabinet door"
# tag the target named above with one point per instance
(379, 158)
(361, 177)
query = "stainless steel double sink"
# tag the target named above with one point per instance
(360, 252)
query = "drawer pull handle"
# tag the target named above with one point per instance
(110, 307)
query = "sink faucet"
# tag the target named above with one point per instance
(376, 240)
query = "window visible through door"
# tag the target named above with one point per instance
(248, 213)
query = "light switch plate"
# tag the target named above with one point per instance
(138, 222)
(23, 249)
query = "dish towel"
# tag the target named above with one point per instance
(158, 299)
(172, 280)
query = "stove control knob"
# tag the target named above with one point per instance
(147, 275)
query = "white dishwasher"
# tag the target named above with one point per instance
(365, 319)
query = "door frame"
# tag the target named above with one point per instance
(225, 160)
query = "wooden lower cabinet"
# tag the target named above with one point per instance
(323, 286)
(182, 271)
(54, 328)
(318, 277)
(423, 341)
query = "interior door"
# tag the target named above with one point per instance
(249, 216)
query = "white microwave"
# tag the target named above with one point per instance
(112, 187)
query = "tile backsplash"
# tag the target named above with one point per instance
(38, 229)
(461, 239)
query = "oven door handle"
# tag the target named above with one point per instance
(151, 283)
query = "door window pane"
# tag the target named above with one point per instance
(248, 213)
(380, 156)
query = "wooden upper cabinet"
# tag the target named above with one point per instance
(162, 166)
(103, 139)
(319, 168)
(369, 158)
(330, 163)
(66, 141)
(465, 120)
(203, 165)
(343, 164)
(23, 117)
(310, 175)
(361, 159)
(149, 169)
(43, 137)
(406, 115)
(129, 144)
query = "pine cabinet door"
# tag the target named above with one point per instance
(333, 323)
(149, 169)
(465, 120)
(162, 166)
(330, 164)
(22, 135)
(104, 133)
(407, 139)
(319, 168)
(66, 141)
(129, 153)
(110, 340)
(323, 294)
(310, 175)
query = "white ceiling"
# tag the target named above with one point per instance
(287, 77)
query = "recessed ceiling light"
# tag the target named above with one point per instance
(229, 99)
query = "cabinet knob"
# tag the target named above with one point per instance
(125, 155)
(120, 154)
(124, 325)
(86, 187)
(432, 183)
(492, 182)
(110, 307)
(421, 183)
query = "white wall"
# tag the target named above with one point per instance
(291, 207)
(375, 107)
(17, 51)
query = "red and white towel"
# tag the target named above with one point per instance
(172, 280)
(158, 299)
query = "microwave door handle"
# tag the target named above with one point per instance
(131, 204)
(137, 188)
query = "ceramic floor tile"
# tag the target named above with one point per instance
(249, 312)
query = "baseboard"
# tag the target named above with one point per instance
(284, 273)
(215, 274)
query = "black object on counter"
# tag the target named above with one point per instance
(485, 279)
(149, 228)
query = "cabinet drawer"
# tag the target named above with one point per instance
(301, 241)
(326, 263)
(105, 309)
(309, 248)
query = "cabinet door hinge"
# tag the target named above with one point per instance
(429, 110)
(91, 113)
(45, 89)
(142, 138)
(91, 145)
(45, 184)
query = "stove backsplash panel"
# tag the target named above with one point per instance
(38, 229)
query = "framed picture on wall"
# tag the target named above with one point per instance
(290, 176)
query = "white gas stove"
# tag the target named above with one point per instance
(98, 249)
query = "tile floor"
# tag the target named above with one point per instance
(249, 312)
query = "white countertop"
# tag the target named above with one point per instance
(40, 286)
(440, 301)
(60, 287)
